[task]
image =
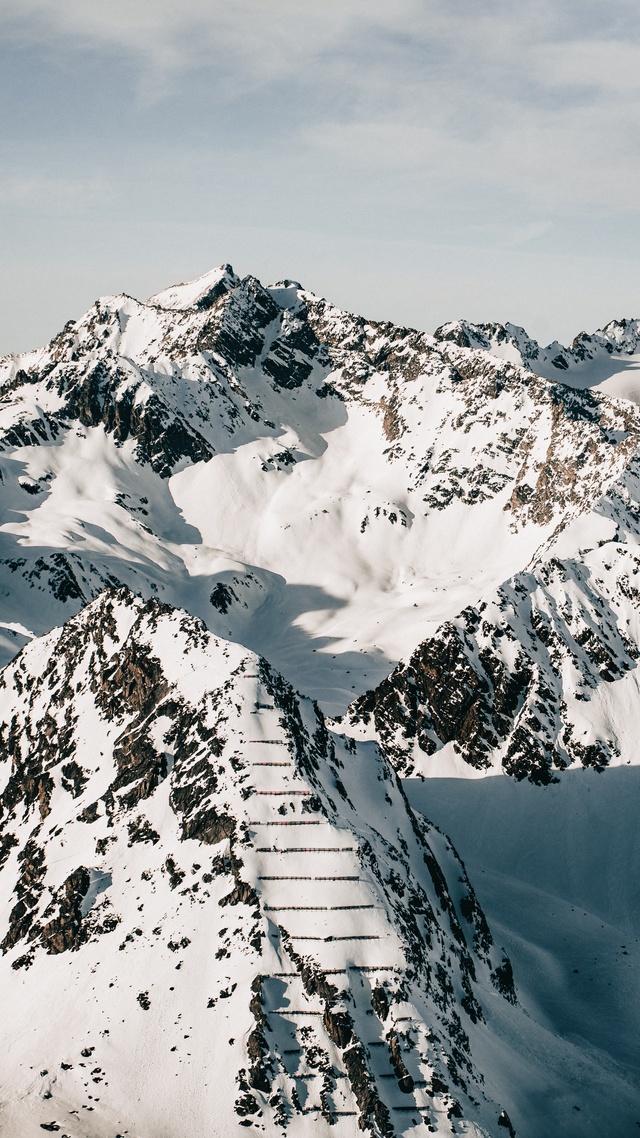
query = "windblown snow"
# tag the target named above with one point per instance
(218, 908)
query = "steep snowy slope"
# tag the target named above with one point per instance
(323, 489)
(557, 870)
(215, 913)
(249, 923)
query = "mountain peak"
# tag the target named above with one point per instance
(174, 824)
(199, 293)
(506, 341)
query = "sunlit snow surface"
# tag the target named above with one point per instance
(193, 923)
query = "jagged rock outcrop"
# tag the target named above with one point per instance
(618, 338)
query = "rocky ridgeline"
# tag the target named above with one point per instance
(192, 857)
(617, 338)
(178, 381)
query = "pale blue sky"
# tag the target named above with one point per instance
(416, 160)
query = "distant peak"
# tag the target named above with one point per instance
(623, 335)
(286, 293)
(199, 293)
(286, 283)
(508, 341)
(512, 344)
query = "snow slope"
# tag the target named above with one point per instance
(557, 870)
(253, 926)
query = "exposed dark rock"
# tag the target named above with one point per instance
(222, 597)
(313, 978)
(73, 778)
(260, 1075)
(8, 841)
(65, 930)
(241, 894)
(194, 780)
(141, 830)
(28, 889)
(380, 1002)
(405, 1082)
(133, 682)
(374, 1115)
(506, 1123)
(105, 396)
(23, 961)
(502, 979)
(139, 765)
(176, 875)
(339, 1026)
(247, 1104)
(62, 581)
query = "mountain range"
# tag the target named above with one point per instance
(286, 596)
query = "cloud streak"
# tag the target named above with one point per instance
(540, 100)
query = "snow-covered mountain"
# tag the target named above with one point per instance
(210, 503)
(214, 908)
(305, 481)
(540, 674)
(237, 899)
(541, 677)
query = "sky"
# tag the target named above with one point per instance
(413, 160)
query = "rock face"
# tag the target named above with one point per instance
(234, 895)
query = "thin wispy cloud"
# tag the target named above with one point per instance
(540, 99)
